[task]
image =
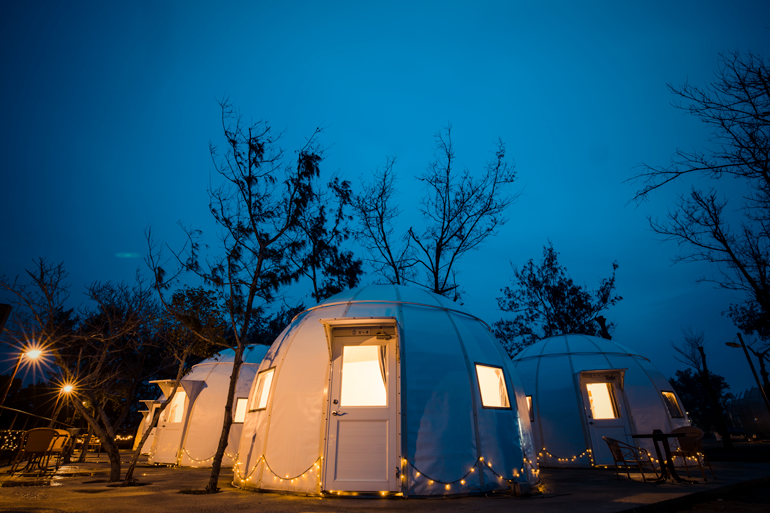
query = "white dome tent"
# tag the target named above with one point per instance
(581, 388)
(145, 424)
(386, 389)
(189, 428)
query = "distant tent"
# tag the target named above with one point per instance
(189, 428)
(389, 390)
(750, 414)
(581, 388)
(145, 424)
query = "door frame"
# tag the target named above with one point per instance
(623, 409)
(353, 322)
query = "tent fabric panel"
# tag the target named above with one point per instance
(581, 344)
(360, 310)
(497, 428)
(661, 383)
(527, 445)
(555, 345)
(441, 435)
(297, 404)
(207, 415)
(255, 425)
(376, 292)
(559, 413)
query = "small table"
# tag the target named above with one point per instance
(667, 464)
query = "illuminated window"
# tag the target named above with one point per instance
(673, 405)
(262, 390)
(494, 393)
(175, 410)
(364, 376)
(531, 411)
(240, 409)
(602, 399)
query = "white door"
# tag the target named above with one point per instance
(361, 450)
(604, 405)
(169, 432)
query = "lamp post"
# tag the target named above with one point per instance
(751, 364)
(66, 389)
(32, 354)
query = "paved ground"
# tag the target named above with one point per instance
(574, 490)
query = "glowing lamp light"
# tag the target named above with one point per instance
(33, 353)
(67, 389)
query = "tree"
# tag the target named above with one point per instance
(692, 353)
(459, 212)
(257, 208)
(689, 387)
(266, 328)
(547, 302)
(197, 308)
(324, 228)
(736, 106)
(105, 352)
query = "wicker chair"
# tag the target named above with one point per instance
(59, 446)
(626, 455)
(690, 446)
(35, 448)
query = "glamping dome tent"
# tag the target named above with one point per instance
(581, 388)
(145, 424)
(189, 428)
(390, 390)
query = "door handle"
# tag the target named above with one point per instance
(336, 413)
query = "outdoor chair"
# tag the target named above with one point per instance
(59, 446)
(690, 446)
(35, 448)
(625, 454)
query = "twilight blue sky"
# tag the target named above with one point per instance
(108, 109)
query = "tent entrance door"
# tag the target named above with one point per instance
(169, 433)
(605, 410)
(361, 444)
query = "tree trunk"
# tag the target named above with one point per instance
(715, 404)
(107, 441)
(154, 422)
(228, 421)
(86, 441)
(763, 371)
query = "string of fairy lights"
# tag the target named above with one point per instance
(544, 453)
(9, 440)
(247, 477)
(316, 467)
(179, 459)
(480, 462)
(589, 453)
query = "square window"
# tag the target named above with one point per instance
(364, 376)
(494, 393)
(175, 410)
(673, 405)
(531, 411)
(601, 396)
(240, 410)
(262, 390)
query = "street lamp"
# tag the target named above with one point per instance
(66, 389)
(753, 370)
(32, 354)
